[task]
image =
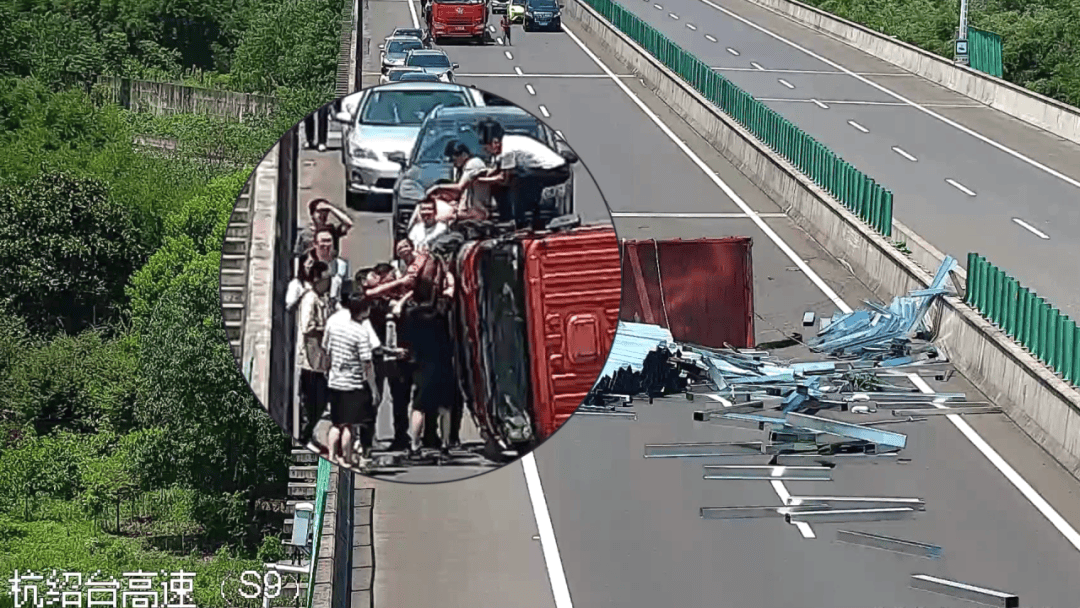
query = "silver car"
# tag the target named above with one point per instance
(380, 127)
(394, 51)
(433, 62)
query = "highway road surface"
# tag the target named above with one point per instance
(586, 521)
(964, 176)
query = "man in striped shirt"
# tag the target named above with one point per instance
(351, 342)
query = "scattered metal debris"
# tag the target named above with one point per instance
(887, 543)
(690, 450)
(941, 586)
(948, 411)
(768, 472)
(848, 515)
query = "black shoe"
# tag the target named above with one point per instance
(413, 453)
(445, 453)
(398, 445)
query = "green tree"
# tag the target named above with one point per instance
(66, 251)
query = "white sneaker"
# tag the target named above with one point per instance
(322, 147)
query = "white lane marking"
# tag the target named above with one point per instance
(786, 83)
(691, 26)
(710, 38)
(508, 55)
(959, 186)
(499, 40)
(518, 71)
(865, 103)
(530, 89)
(556, 574)
(897, 96)
(544, 111)
(812, 72)
(901, 152)
(1010, 473)
(559, 133)
(733, 51)
(757, 66)
(704, 216)
(491, 28)
(819, 104)
(412, 14)
(785, 496)
(858, 126)
(673, 16)
(658, 7)
(1031, 229)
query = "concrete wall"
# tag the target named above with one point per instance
(1035, 109)
(1045, 406)
(258, 300)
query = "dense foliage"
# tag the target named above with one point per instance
(1041, 41)
(128, 437)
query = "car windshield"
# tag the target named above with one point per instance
(543, 5)
(429, 61)
(418, 77)
(518, 2)
(397, 74)
(391, 108)
(460, 1)
(409, 32)
(404, 46)
(438, 133)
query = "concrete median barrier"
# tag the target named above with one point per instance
(1043, 405)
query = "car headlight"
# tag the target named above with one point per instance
(411, 189)
(359, 152)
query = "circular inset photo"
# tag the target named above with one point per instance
(422, 282)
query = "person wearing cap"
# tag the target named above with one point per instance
(351, 343)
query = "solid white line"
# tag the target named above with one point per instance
(530, 89)
(901, 152)
(858, 126)
(691, 26)
(600, 76)
(710, 38)
(959, 186)
(673, 16)
(508, 55)
(757, 66)
(556, 574)
(819, 104)
(1031, 229)
(412, 14)
(518, 71)
(1010, 473)
(544, 111)
(786, 83)
(706, 216)
(735, 198)
(733, 51)
(899, 97)
(781, 491)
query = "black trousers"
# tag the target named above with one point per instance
(526, 190)
(314, 395)
(316, 125)
(399, 376)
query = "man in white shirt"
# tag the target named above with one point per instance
(422, 232)
(351, 341)
(475, 201)
(311, 358)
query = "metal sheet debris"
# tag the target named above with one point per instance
(767, 472)
(849, 515)
(949, 411)
(689, 450)
(981, 595)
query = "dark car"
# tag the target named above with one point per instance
(543, 15)
(428, 164)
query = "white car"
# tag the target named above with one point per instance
(380, 126)
(432, 62)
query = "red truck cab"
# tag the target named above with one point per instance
(458, 19)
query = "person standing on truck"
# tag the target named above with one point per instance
(311, 358)
(506, 25)
(475, 200)
(351, 343)
(428, 227)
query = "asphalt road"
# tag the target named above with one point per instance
(1000, 188)
(625, 531)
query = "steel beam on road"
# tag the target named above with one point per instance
(993, 409)
(887, 543)
(849, 515)
(864, 502)
(845, 429)
(835, 459)
(767, 472)
(691, 450)
(748, 512)
(971, 593)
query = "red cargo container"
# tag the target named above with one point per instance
(702, 290)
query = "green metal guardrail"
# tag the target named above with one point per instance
(1033, 322)
(322, 481)
(867, 199)
(984, 52)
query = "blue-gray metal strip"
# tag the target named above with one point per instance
(844, 429)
